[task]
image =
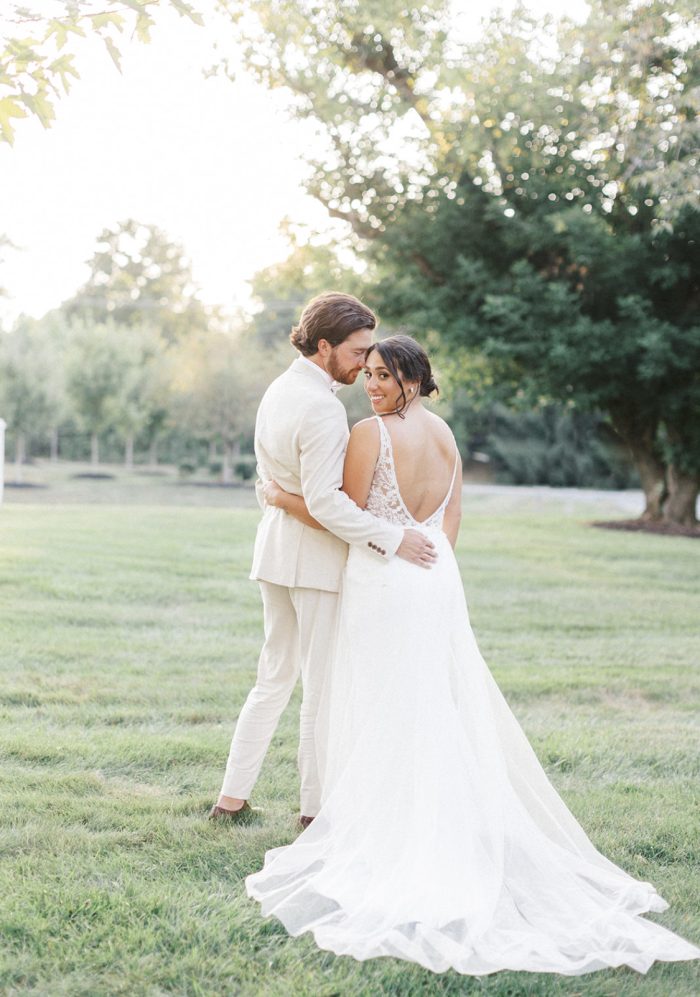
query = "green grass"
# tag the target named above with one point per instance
(129, 640)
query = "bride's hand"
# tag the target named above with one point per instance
(274, 495)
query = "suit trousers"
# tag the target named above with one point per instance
(299, 633)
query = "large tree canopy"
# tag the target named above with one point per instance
(532, 194)
(404, 105)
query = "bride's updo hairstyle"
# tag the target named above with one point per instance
(332, 316)
(406, 360)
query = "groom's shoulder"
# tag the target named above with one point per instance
(298, 379)
(283, 384)
(298, 392)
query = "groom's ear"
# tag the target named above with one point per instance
(324, 348)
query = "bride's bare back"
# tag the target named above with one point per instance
(424, 459)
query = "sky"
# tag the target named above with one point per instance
(216, 164)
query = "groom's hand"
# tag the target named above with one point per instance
(416, 548)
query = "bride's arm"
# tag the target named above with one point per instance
(360, 460)
(453, 510)
(293, 504)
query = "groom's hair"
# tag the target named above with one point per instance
(332, 316)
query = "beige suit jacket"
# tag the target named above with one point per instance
(301, 434)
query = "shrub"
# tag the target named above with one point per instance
(556, 446)
(245, 468)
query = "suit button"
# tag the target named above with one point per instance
(382, 551)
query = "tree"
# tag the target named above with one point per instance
(31, 389)
(5, 243)
(138, 277)
(364, 74)
(282, 290)
(140, 287)
(37, 61)
(141, 400)
(531, 195)
(603, 319)
(96, 369)
(405, 105)
(218, 382)
(55, 334)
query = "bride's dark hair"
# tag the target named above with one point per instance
(406, 360)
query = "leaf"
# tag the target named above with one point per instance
(144, 23)
(64, 67)
(114, 52)
(39, 105)
(61, 28)
(58, 29)
(101, 21)
(187, 10)
(9, 108)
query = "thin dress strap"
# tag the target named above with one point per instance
(383, 431)
(386, 450)
(454, 476)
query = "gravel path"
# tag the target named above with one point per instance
(629, 502)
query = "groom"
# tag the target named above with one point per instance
(301, 433)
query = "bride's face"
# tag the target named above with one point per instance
(382, 388)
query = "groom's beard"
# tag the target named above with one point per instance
(345, 375)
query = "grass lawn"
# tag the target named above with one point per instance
(129, 640)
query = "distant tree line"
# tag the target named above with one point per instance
(136, 359)
(136, 368)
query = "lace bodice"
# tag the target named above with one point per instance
(384, 499)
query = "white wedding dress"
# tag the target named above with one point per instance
(440, 839)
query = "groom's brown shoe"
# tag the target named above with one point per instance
(304, 822)
(243, 814)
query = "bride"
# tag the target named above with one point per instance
(440, 839)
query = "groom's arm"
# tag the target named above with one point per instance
(295, 505)
(322, 440)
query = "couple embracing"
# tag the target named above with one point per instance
(430, 832)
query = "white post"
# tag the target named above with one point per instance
(2, 456)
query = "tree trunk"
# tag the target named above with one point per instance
(20, 455)
(682, 432)
(129, 452)
(652, 474)
(639, 436)
(232, 451)
(226, 466)
(680, 507)
(94, 450)
(53, 438)
(153, 453)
